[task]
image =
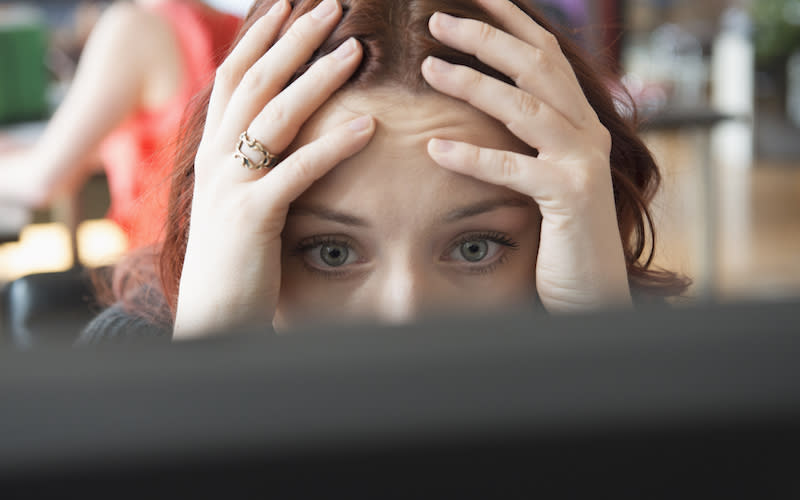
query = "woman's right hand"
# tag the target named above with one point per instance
(232, 268)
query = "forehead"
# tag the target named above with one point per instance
(395, 170)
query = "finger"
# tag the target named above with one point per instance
(268, 76)
(254, 43)
(299, 171)
(531, 68)
(525, 115)
(527, 175)
(278, 123)
(519, 24)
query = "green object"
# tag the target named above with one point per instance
(23, 75)
(777, 30)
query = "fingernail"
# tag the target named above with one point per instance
(276, 8)
(442, 146)
(437, 64)
(345, 49)
(445, 21)
(324, 9)
(361, 123)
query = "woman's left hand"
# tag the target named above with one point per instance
(581, 264)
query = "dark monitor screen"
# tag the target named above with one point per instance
(695, 402)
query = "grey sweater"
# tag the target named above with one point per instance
(115, 325)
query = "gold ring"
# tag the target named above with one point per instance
(267, 158)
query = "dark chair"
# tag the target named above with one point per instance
(47, 308)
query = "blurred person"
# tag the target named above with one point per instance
(142, 64)
(385, 159)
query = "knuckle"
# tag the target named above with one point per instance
(225, 76)
(486, 33)
(551, 42)
(254, 80)
(300, 32)
(528, 104)
(278, 115)
(509, 169)
(478, 157)
(541, 61)
(537, 64)
(302, 168)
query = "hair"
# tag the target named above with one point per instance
(395, 39)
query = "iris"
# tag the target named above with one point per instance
(334, 255)
(474, 251)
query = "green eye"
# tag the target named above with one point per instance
(474, 251)
(334, 255)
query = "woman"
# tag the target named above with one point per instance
(402, 156)
(141, 65)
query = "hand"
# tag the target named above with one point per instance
(232, 267)
(580, 264)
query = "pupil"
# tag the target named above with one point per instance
(474, 251)
(334, 255)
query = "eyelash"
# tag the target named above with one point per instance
(315, 241)
(499, 238)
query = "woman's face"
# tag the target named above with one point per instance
(389, 235)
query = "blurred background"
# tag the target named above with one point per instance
(717, 84)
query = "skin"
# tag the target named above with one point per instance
(403, 257)
(246, 222)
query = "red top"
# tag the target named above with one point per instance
(137, 155)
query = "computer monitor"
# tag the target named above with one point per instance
(687, 403)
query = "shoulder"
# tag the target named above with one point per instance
(137, 45)
(128, 26)
(124, 17)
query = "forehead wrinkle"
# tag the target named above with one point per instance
(393, 180)
(416, 119)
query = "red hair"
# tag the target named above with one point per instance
(395, 38)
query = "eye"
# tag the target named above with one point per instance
(326, 253)
(475, 250)
(480, 252)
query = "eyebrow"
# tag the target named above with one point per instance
(328, 214)
(485, 206)
(460, 213)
